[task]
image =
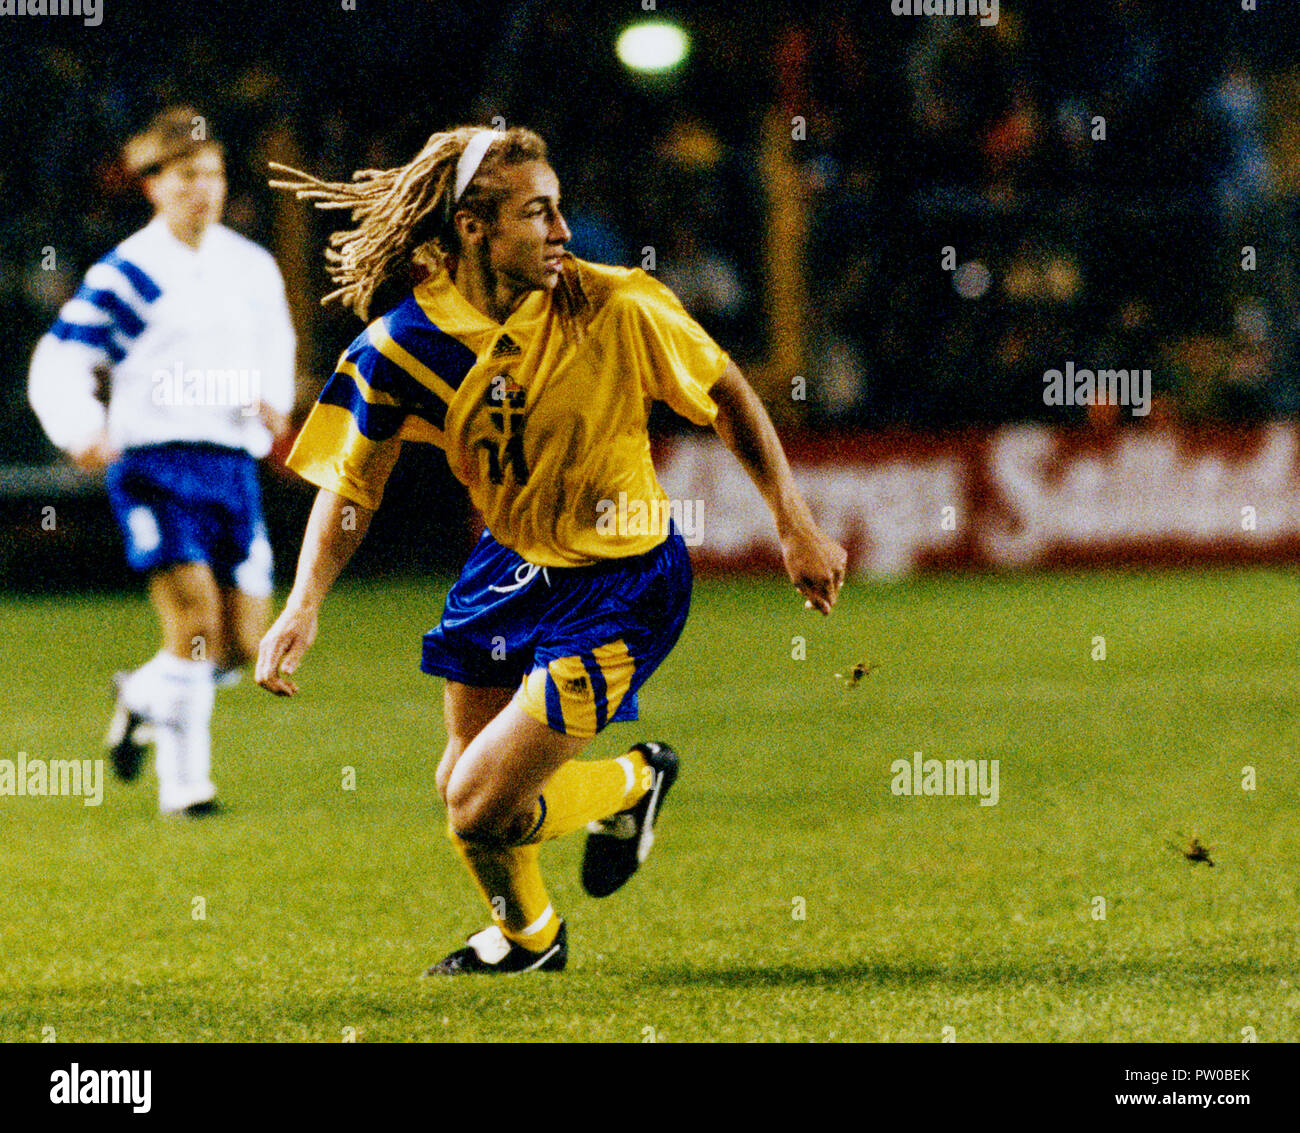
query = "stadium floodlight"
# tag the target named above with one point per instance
(652, 47)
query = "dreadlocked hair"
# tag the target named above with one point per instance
(403, 217)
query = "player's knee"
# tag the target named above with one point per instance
(195, 619)
(447, 764)
(469, 812)
(191, 600)
(478, 815)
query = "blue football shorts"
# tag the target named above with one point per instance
(193, 503)
(575, 642)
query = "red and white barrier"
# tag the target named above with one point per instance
(1022, 497)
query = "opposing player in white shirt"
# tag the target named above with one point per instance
(190, 323)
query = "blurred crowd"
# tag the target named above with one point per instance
(981, 204)
(1114, 184)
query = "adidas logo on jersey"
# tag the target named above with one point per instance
(506, 347)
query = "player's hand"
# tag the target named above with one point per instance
(283, 648)
(815, 564)
(96, 455)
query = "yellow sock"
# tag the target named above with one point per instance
(510, 880)
(584, 790)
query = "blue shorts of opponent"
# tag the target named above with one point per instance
(193, 503)
(577, 642)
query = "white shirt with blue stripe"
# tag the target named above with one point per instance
(193, 339)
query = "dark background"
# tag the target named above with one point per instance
(921, 134)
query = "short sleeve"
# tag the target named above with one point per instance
(682, 362)
(353, 436)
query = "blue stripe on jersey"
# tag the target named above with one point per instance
(598, 689)
(376, 422)
(148, 290)
(411, 329)
(99, 336)
(554, 713)
(388, 377)
(128, 323)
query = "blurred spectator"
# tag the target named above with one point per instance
(1104, 165)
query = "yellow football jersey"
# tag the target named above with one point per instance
(548, 431)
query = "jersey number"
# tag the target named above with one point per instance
(507, 452)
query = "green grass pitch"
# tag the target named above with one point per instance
(323, 905)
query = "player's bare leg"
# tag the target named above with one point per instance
(511, 783)
(486, 811)
(172, 694)
(188, 603)
(493, 789)
(466, 711)
(244, 618)
(492, 795)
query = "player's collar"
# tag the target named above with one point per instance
(449, 310)
(164, 235)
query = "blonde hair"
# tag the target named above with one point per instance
(403, 216)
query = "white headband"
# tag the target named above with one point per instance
(471, 157)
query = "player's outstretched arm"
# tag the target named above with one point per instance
(334, 531)
(814, 562)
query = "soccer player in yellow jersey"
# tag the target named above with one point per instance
(534, 372)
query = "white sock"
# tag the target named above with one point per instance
(139, 687)
(176, 696)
